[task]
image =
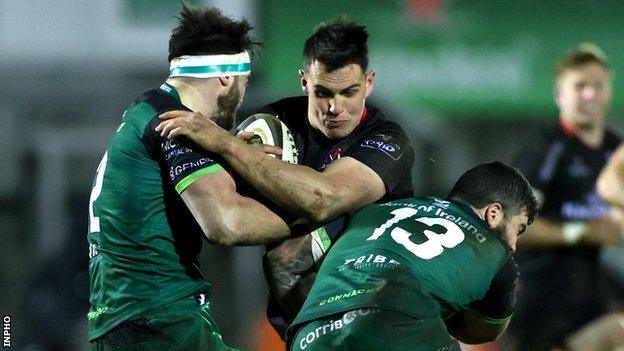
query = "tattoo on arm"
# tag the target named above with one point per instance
(290, 272)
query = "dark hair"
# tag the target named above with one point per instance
(496, 182)
(581, 55)
(336, 44)
(206, 31)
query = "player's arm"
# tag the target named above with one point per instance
(610, 185)
(607, 230)
(470, 327)
(540, 168)
(603, 333)
(228, 218)
(209, 192)
(290, 271)
(346, 184)
(484, 320)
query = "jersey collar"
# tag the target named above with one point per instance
(363, 117)
(469, 210)
(566, 127)
(169, 89)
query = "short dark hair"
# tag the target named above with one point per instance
(496, 182)
(206, 31)
(336, 44)
(581, 55)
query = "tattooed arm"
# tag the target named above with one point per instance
(290, 271)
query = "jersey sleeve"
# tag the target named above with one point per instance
(182, 160)
(388, 153)
(499, 302)
(539, 165)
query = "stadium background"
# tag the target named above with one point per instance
(470, 81)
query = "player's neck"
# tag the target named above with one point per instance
(592, 140)
(197, 96)
(469, 208)
(590, 134)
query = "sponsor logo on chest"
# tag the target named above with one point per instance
(384, 144)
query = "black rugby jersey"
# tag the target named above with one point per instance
(565, 171)
(377, 142)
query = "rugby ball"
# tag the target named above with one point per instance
(269, 130)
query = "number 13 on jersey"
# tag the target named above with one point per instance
(436, 242)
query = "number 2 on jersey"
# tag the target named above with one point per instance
(94, 222)
(436, 242)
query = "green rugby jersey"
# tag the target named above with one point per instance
(424, 257)
(143, 240)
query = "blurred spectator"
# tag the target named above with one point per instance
(562, 286)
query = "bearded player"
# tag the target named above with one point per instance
(411, 273)
(154, 199)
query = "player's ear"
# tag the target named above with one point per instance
(493, 214)
(370, 81)
(303, 81)
(225, 81)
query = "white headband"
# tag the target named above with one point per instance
(209, 66)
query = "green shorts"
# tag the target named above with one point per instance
(183, 325)
(373, 329)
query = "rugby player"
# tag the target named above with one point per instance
(564, 286)
(352, 155)
(411, 273)
(154, 199)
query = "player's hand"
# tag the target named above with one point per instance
(247, 137)
(193, 125)
(253, 139)
(607, 230)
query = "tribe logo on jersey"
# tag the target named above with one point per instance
(384, 144)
